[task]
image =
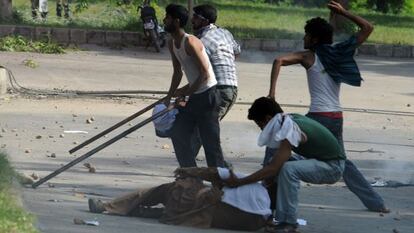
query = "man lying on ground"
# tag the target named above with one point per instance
(188, 202)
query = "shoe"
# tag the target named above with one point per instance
(282, 227)
(34, 14)
(96, 206)
(43, 15)
(383, 210)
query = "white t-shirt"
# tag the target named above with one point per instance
(252, 198)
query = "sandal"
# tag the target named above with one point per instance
(282, 228)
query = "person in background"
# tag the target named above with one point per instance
(62, 5)
(41, 6)
(222, 51)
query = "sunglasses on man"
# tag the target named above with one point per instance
(199, 16)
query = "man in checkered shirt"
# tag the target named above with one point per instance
(222, 50)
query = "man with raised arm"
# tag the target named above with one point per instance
(328, 65)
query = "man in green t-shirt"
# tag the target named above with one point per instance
(323, 164)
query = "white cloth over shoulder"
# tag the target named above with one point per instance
(252, 198)
(278, 129)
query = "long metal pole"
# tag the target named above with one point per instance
(125, 92)
(105, 132)
(102, 146)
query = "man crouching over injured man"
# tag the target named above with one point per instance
(323, 161)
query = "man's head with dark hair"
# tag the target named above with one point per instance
(176, 16)
(206, 11)
(263, 110)
(318, 31)
(204, 15)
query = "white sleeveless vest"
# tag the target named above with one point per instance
(324, 91)
(191, 68)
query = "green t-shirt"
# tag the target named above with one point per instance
(321, 144)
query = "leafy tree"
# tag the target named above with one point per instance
(386, 6)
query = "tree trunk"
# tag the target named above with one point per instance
(382, 6)
(338, 22)
(6, 12)
(190, 5)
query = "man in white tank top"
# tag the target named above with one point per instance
(328, 65)
(201, 110)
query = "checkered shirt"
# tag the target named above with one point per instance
(221, 48)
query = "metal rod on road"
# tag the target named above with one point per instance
(126, 120)
(122, 92)
(102, 146)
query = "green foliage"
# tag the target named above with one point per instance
(99, 14)
(81, 5)
(12, 217)
(21, 44)
(409, 7)
(357, 4)
(6, 172)
(245, 19)
(30, 63)
(304, 3)
(384, 6)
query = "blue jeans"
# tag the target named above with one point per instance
(288, 183)
(353, 178)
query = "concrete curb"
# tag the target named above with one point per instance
(380, 50)
(114, 38)
(67, 36)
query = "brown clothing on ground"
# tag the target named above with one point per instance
(187, 202)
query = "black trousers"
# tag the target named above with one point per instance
(201, 112)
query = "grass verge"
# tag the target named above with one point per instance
(21, 44)
(13, 219)
(246, 19)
